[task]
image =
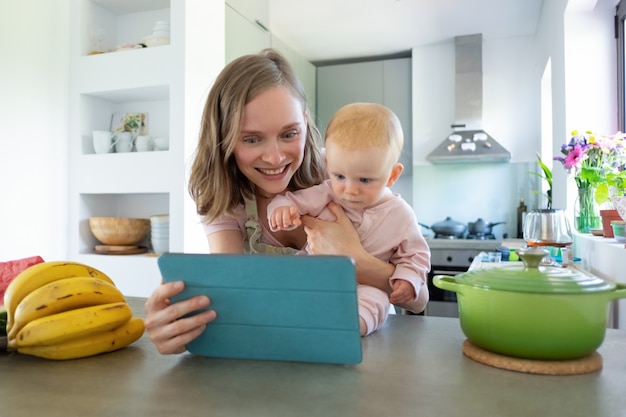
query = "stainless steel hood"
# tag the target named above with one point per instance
(468, 142)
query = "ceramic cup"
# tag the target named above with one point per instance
(102, 141)
(161, 144)
(124, 142)
(143, 143)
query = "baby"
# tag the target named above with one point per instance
(363, 144)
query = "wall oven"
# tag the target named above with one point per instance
(451, 257)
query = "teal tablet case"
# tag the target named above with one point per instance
(287, 308)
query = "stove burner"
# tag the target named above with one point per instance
(480, 236)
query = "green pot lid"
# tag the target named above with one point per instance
(535, 278)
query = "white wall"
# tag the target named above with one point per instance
(34, 47)
(581, 48)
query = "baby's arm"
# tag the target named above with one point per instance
(284, 218)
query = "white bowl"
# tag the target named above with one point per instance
(162, 24)
(160, 245)
(151, 41)
(161, 144)
(160, 218)
(161, 34)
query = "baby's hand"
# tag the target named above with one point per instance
(402, 292)
(285, 218)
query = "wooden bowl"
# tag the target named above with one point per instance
(121, 231)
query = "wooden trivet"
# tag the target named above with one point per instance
(131, 251)
(577, 366)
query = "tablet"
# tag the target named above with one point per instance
(272, 307)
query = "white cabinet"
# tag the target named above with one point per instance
(245, 32)
(303, 68)
(169, 84)
(256, 11)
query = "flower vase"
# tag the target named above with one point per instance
(587, 211)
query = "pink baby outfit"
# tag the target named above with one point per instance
(388, 231)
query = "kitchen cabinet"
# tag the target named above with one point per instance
(604, 257)
(247, 23)
(169, 84)
(386, 81)
(304, 69)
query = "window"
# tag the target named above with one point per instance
(621, 45)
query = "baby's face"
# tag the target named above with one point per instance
(358, 177)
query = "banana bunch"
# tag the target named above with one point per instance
(67, 310)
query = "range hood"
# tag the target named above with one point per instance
(468, 142)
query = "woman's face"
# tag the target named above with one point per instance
(270, 146)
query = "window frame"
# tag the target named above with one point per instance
(620, 19)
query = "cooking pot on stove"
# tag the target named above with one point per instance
(481, 227)
(447, 227)
(533, 311)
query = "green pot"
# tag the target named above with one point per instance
(532, 311)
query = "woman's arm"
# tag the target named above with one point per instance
(339, 237)
(226, 241)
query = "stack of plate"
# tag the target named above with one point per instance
(160, 233)
(160, 35)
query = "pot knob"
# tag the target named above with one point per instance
(532, 256)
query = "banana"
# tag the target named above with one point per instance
(72, 324)
(63, 295)
(85, 346)
(41, 274)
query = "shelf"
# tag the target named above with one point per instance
(166, 83)
(95, 112)
(106, 24)
(125, 172)
(137, 71)
(138, 205)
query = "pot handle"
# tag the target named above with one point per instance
(446, 282)
(618, 292)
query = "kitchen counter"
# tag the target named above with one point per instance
(412, 366)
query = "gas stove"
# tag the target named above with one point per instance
(477, 245)
(476, 236)
(452, 257)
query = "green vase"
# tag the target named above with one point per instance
(587, 211)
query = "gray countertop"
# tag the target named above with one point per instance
(412, 366)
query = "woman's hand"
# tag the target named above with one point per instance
(167, 329)
(339, 237)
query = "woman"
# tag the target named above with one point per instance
(256, 141)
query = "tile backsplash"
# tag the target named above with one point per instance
(466, 192)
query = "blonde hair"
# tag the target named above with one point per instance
(360, 125)
(216, 184)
